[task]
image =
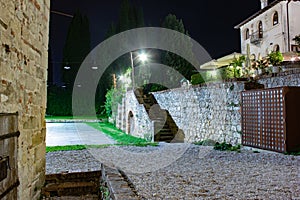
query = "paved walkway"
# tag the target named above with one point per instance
(61, 134)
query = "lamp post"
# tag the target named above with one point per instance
(143, 57)
(132, 70)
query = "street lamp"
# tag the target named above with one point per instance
(143, 57)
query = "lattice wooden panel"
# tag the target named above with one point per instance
(263, 114)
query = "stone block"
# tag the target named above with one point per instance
(37, 138)
(40, 151)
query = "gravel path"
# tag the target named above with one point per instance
(181, 171)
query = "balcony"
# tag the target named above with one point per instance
(256, 37)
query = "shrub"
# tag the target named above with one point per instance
(226, 147)
(113, 98)
(59, 101)
(275, 58)
(197, 79)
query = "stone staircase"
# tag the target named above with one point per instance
(165, 128)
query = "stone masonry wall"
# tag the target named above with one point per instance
(137, 124)
(291, 78)
(206, 112)
(209, 111)
(213, 111)
(24, 28)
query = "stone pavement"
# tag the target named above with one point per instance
(61, 134)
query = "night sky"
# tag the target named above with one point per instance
(210, 23)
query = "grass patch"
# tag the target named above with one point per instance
(119, 136)
(73, 147)
(76, 117)
(199, 142)
(65, 148)
(297, 153)
(207, 142)
(227, 147)
(59, 117)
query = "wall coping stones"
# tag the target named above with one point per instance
(236, 80)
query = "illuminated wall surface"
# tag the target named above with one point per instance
(24, 28)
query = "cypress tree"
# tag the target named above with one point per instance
(173, 60)
(76, 48)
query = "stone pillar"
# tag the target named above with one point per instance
(24, 29)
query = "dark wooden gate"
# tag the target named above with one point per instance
(8, 156)
(270, 119)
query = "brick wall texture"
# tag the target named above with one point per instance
(24, 28)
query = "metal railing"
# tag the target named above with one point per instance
(256, 37)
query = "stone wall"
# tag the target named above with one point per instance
(289, 78)
(213, 111)
(209, 111)
(24, 28)
(133, 119)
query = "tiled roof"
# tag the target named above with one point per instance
(258, 13)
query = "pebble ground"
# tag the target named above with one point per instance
(182, 171)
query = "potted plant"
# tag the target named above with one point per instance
(262, 64)
(237, 65)
(275, 58)
(254, 69)
(297, 39)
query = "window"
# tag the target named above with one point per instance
(260, 30)
(247, 34)
(275, 18)
(276, 47)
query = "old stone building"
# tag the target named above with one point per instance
(24, 28)
(272, 28)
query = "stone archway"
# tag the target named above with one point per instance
(130, 123)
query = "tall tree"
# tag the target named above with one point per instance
(124, 18)
(173, 60)
(130, 17)
(50, 67)
(76, 48)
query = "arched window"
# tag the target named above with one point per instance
(276, 47)
(130, 123)
(275, 18)
(247, 34)
(260, 30)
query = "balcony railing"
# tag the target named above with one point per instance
(256, 38)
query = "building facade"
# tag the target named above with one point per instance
(272, 28)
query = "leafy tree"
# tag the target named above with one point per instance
(297, 39)
(76, 48)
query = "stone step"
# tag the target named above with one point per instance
(147, 100)
(165, 130)
(84, 197)
(70, 188)
(166, 138)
